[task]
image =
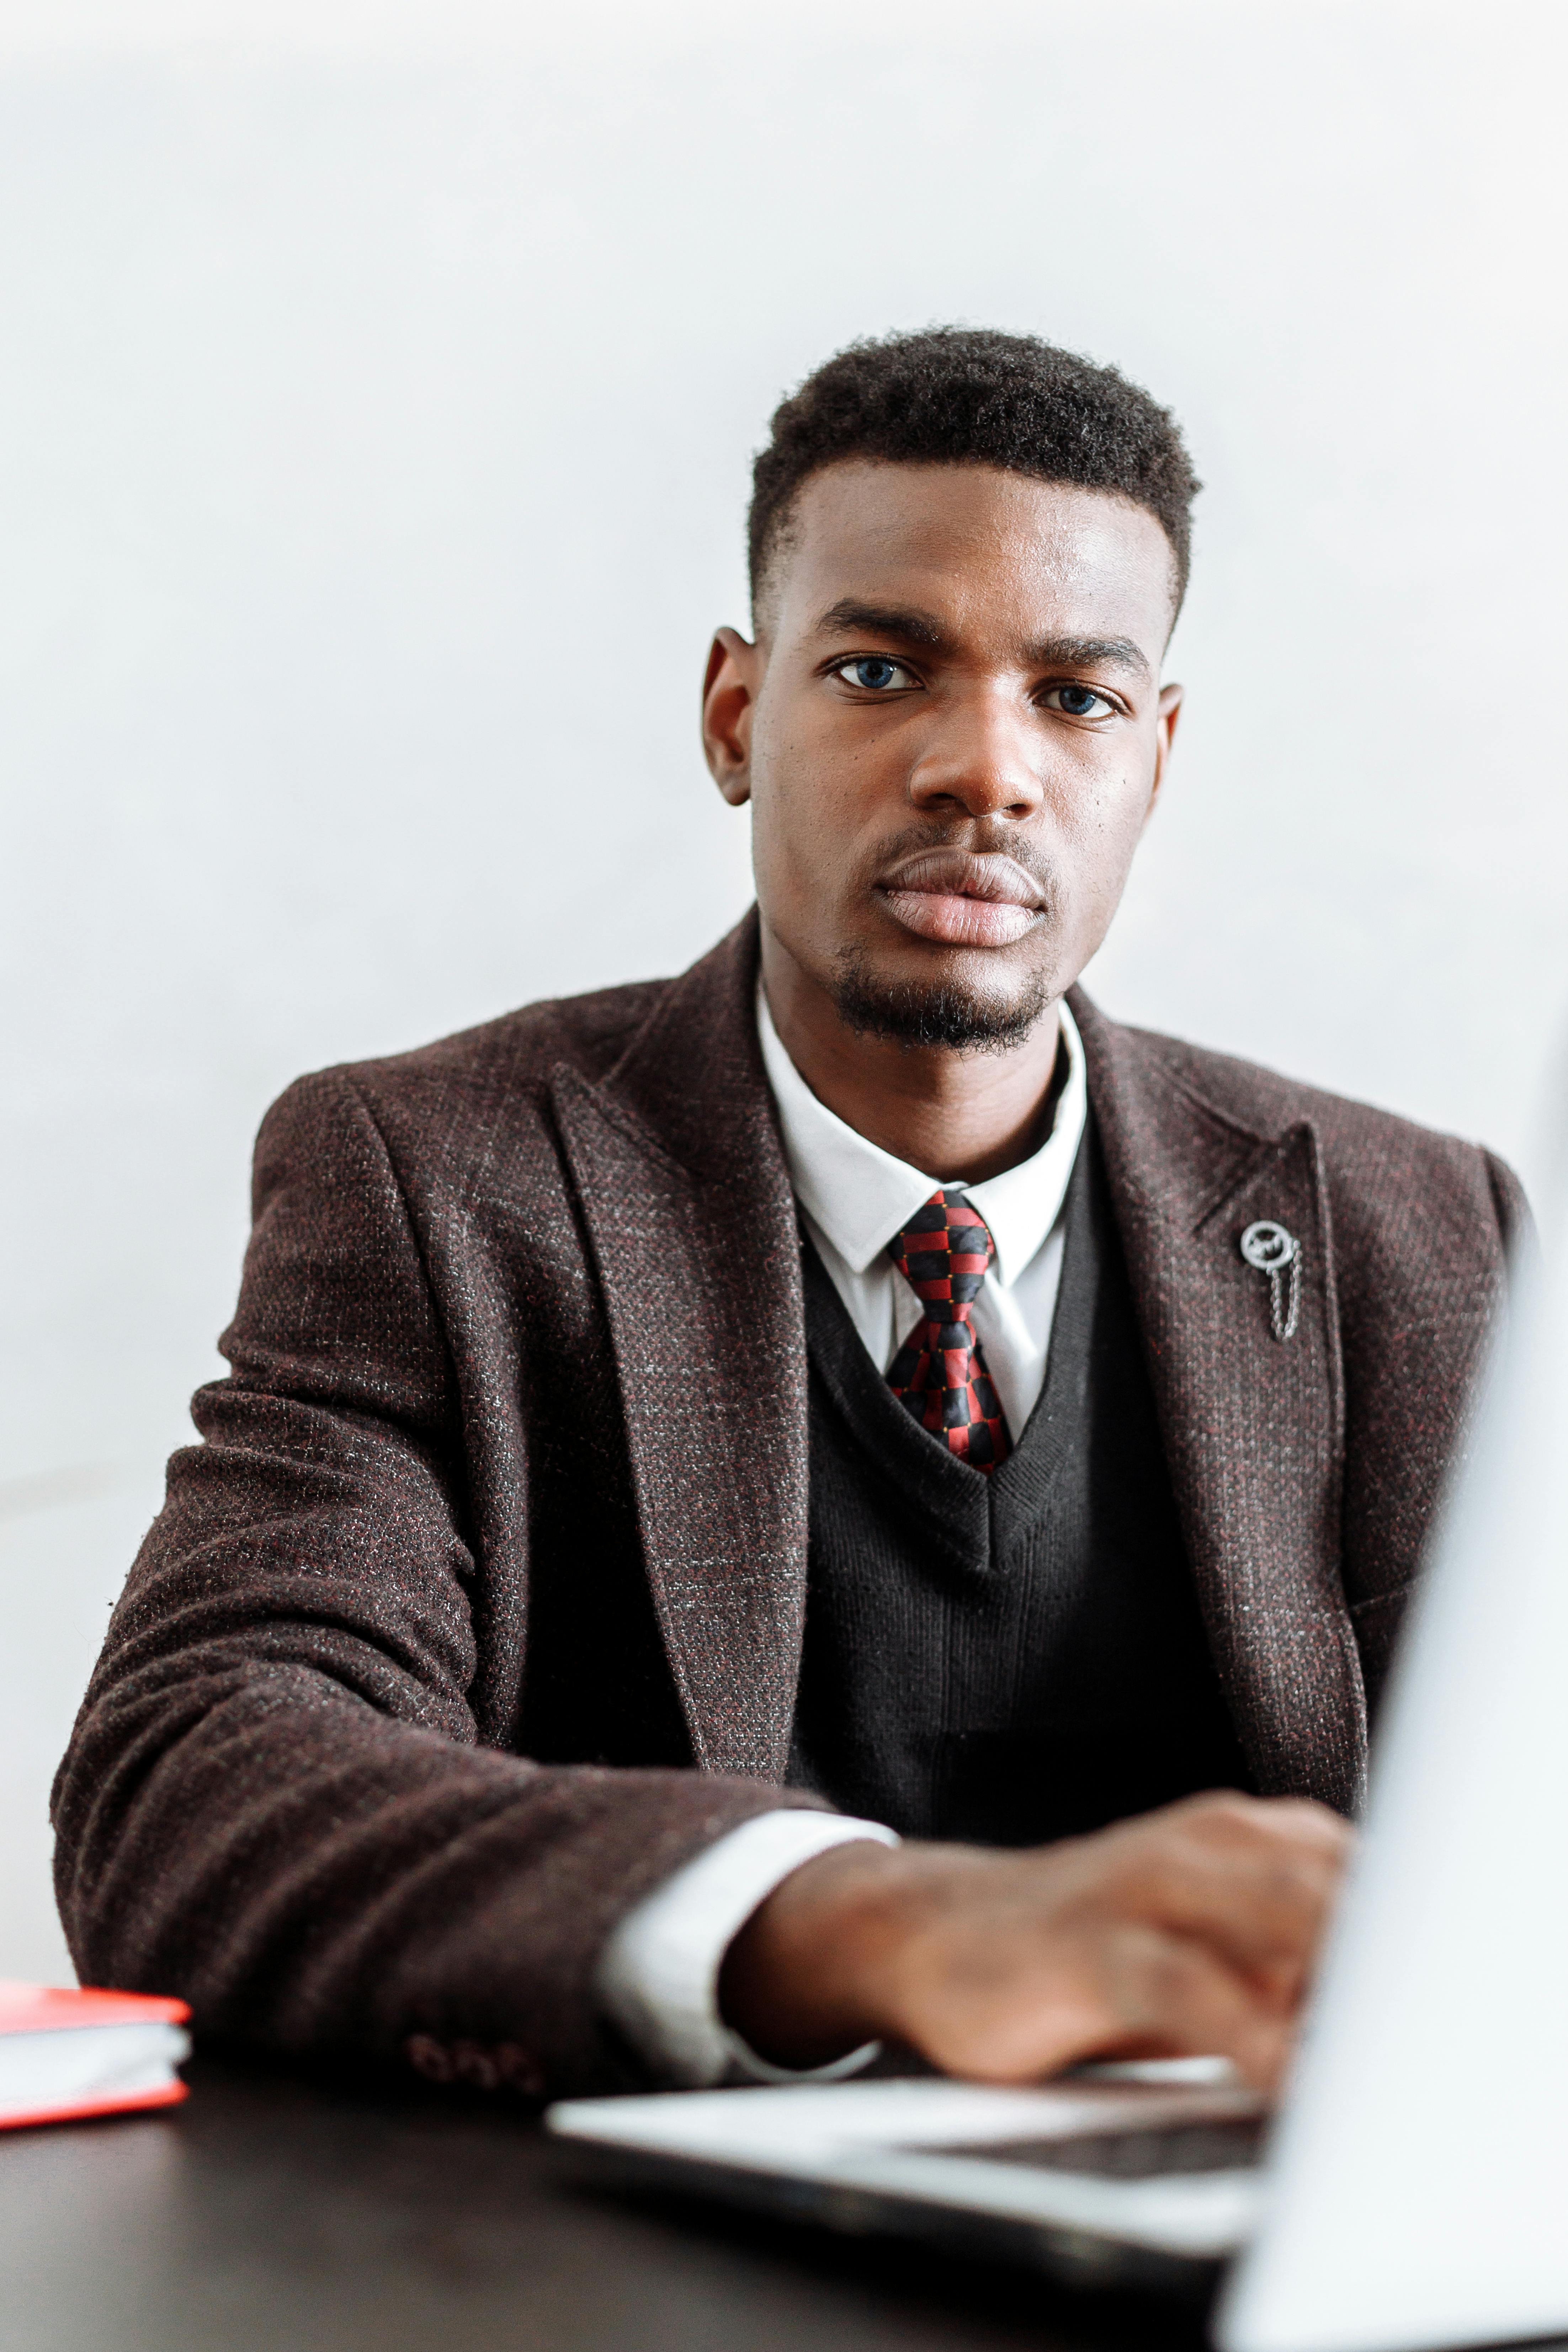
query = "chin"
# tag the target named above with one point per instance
(944, 1008)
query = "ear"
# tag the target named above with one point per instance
(729, 698)
(1164, 736)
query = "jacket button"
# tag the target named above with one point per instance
(472, 2064)
(520, 2070)
(428, 2057)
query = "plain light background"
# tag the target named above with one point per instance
(378, 386)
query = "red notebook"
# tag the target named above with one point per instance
(87, 2054)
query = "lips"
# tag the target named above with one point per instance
(963, 898)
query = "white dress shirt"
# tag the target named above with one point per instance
(659, 1975)
(855, 1197)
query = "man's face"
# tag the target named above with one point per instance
(951, 732)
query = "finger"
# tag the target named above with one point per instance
(1229, 1815)
(1119, 1990)
(1258, 1884)
(1172, 1997)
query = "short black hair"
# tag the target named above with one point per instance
(972, 396)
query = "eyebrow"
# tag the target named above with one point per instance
(1089, 653)
(913, 627)
(848, 616)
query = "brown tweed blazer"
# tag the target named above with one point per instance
(500, 1527)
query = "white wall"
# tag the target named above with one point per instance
(377, 392)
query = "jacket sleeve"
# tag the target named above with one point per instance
(1418, 1314)
(1514, 1221)
(274, 1802)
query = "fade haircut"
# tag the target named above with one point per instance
(970, 397)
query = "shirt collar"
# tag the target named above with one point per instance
(860, 1195)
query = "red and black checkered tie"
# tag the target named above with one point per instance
(940, 1371)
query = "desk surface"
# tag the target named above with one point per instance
(271, 2214)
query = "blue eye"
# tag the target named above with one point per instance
(875, 672)
(1079, 701)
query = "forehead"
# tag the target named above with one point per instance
(985, 551)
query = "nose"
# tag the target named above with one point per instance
(978, 759)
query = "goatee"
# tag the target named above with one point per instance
(911, 1012)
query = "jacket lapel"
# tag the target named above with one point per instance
(1253, 1426)
(683, 1190)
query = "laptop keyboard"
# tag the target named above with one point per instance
(1225, 2146)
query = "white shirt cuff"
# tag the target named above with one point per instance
(657, 1976)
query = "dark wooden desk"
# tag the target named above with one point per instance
(271, 2214)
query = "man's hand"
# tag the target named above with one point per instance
(1192, 1929)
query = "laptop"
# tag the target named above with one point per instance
(1412, 2189)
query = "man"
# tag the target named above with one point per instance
(856, 1375)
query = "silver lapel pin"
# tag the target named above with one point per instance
(1276, 1253)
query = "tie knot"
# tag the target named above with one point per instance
(943, 1252)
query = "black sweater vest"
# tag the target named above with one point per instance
(1016, 1658)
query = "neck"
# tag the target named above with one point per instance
(962, 1117)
